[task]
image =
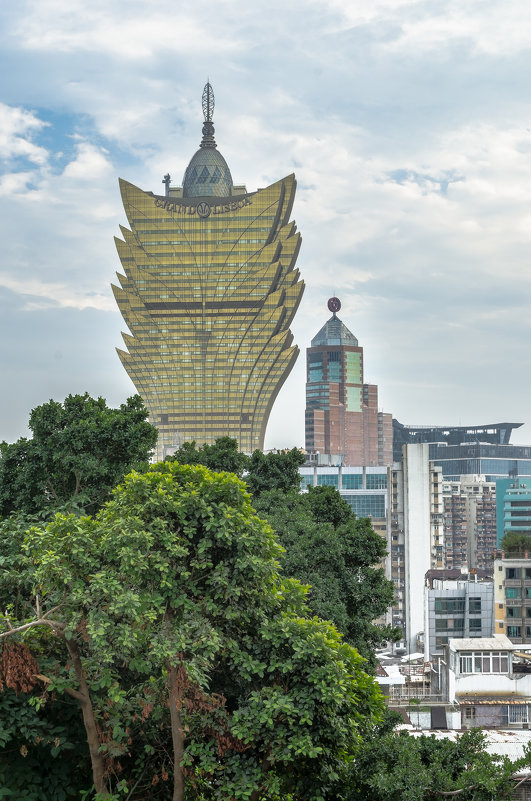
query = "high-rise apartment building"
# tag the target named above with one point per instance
(469, 522)
(208, 293)
(512, 596)
(415, 537)
(342, 417)
(515, 502)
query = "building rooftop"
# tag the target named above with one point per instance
(334, 332)
(207, 174)
(497, 643)
(470, 699)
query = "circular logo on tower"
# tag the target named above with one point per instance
(203, 209)
(334, 304)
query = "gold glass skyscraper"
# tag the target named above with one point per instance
(208, 293)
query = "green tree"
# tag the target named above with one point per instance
(339, 556)
(222, 456)
(79, 451)
(167, 610)
(277, 470)
(515, 543)
(399, 767)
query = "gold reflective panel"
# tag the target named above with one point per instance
(208, 292)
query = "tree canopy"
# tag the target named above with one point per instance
(515, 543)
(191, 658)
(79, 451)
(391, 766)
(339, 556)
(327, 547)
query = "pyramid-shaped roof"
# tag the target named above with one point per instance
(334, 332)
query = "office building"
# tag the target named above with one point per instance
(492, 461)
(456, 604)
(493, 433)
(343, 423)
(363, 488)
(208, 293)
(514, 507)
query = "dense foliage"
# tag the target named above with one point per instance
(79, 451)
(154, 650)
(339, 556)
(169, 618)
(515, 543)
(401, 767)
(276, 470)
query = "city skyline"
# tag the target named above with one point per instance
(407, 126)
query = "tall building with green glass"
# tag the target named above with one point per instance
(208, 291)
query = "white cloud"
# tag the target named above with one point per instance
(133, 32)
(41, 295)
(17, 126)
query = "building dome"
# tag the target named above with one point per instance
(334, 332)
(207, 174)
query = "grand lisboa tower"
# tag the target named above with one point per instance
(208, 291)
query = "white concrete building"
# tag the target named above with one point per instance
(415, 538)
(487, 683)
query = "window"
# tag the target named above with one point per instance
(470, 713)
(475, 624)
(376, 481)
(513, 592)
(328, 480)
(514, 631)
(483, 662)
(449, 605)
(518, 713)
(513, 572)
(450, 624)
(513, 611)
(352, 480)
(474, 605)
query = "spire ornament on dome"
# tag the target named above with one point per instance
(208, 112)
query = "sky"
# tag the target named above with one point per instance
(408, 127)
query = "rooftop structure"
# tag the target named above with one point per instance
(494, 433)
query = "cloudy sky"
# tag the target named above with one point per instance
(408, 125)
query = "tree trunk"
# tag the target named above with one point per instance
(83, 697)
(177, 735)
(266, 764)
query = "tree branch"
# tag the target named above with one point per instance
(41, 620)
(56, 625)
(69, 690)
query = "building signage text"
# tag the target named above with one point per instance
(202, 209)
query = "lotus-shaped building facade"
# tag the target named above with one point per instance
(208, 291)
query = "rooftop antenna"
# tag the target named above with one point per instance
(208, 112)
(208, 102)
